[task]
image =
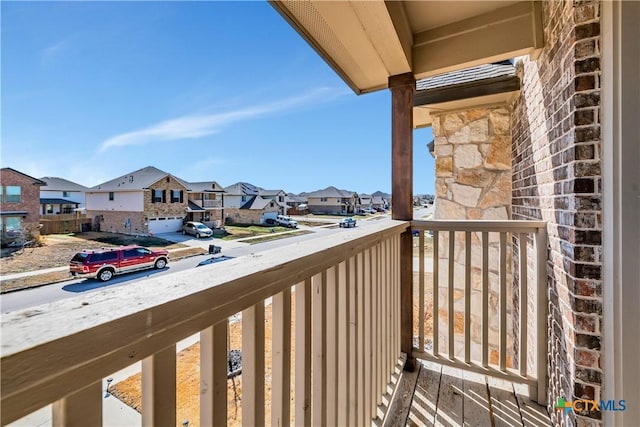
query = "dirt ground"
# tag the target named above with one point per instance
(58, 249)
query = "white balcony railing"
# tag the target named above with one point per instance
(487, 299)
(346, 293)
(211, 204)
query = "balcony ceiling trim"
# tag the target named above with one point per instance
(367, 42)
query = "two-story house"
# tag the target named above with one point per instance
(146, 201)
(333, 201)
(206, 203)
(19, 204)
(61, 196)
(245, 203)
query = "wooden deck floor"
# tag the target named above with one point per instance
(444, 396)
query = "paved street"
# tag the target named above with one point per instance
(54, 292)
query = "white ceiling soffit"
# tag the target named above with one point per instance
(365, 42)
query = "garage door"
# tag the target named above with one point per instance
(272, 215)
(164, 225)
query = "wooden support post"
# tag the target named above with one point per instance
(402, 88)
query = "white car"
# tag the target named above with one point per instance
(197, 229)
(287, 221)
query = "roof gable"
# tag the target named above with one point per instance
(61, 184)
(36, 181)
(141, 179)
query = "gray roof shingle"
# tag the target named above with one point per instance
(473, 74)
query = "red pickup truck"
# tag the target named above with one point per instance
(103, 264)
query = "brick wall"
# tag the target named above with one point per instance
(29, 198)
(557, 178)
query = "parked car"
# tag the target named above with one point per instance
(369, 210)
(103, 264)
(197, 229)
(287, 221)
(347, 222)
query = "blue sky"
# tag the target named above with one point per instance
(223, 91)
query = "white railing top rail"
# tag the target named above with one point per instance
(514, 226)
(52, 350)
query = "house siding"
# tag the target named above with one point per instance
(557, 178)
(29, 199)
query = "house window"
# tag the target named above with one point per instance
(111, 195)
(176, 196)
(323, 199)
(158, 196)
(13, 193)
(49, 209)
(1, 193)
(244, 198)
(281, 199)
(66, 194)
(13, 223)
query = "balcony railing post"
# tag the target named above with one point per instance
(402, 90)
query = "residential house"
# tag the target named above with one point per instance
(244, 204)
(206, 203)
(146, 201)
(563, 147)
(278, 196)
(333, 201)
(61, 196)
(19, 204)
(366, 201)
(296, 204)
(381, 200)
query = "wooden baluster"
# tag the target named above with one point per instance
(352, 339)
(281, 356)
(213, 374)
(159, 388)
(362, 351)
(82, 408)
(344, 349)
(253, 365)
(452, 338)
(524, 289)
(421, 292)
(319, 348)
(503, 301)
(485, 299)
(436, 293)
(302, 399)
(331, 317)
(467, 297)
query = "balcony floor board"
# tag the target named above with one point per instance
(444, 396)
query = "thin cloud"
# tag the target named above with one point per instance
(49, 53)
(196, 126)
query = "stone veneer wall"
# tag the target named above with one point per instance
(473, 181)
(557, 178)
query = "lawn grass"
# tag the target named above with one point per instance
(268, 238)
(243, 231)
